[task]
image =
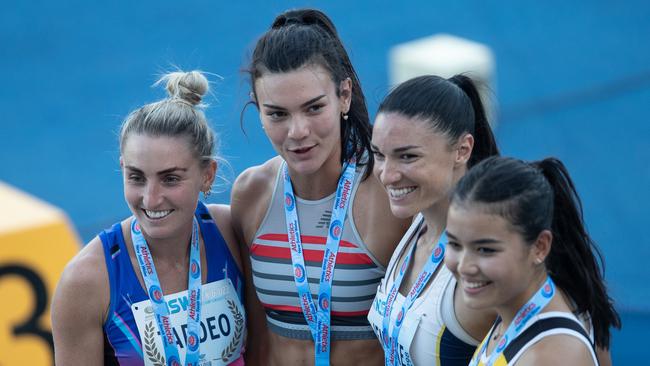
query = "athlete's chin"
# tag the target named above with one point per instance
(304, 166)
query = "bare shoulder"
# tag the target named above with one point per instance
(251, 196)
(379, 229)
(221, 216)
(255, 179)
(79, 307)
(86, 274)
(557, 350)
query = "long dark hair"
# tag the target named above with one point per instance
(452, 107)
(300, 37)
(539, 196)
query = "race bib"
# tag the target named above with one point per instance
(222, 326)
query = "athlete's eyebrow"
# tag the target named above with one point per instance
(162, 172)
(481, 241)
(405, 148)
(171, 170)
(310, 101)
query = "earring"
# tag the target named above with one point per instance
(207, 193)
(345, 116)
(538, 261)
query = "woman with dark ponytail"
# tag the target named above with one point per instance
(518, 244)
(428, 132)
(318, 234)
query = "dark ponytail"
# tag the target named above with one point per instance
(575, 261)
(300, 37)
(452, 107)
(484, 142)
(540, 196)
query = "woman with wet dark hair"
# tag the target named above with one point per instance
(316, 226)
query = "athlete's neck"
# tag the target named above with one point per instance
(435, 219)
(317, 185)
(508, 311)
(172, 250)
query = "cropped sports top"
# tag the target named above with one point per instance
(356, 273)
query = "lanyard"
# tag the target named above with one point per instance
(318, 316)
(536, 303)
(161, 311)
(390, 343)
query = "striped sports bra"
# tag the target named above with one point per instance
(356, 276)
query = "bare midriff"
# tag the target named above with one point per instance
(359, 352)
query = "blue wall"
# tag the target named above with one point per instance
(573, 80)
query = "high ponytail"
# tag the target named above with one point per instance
(484, 143)
(451, 107)
(575, 262)
(541, 196)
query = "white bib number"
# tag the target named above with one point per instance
(222, 325)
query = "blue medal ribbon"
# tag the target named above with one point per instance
(318, 315)
(161, 311)
(390, 344)
(536, 303)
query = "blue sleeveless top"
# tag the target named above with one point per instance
(122, 344)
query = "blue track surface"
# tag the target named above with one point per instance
(573, 80)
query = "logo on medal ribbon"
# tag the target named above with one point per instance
(156, 294)
(299, 272)
(404, 264)
(438, 253)
(323, 301)
(400, 318)
(195, 269)
(288, 202)
(502, 343)
(173, 361)
(192, 342)
(336, 229)
(547, 290)
(136, 228)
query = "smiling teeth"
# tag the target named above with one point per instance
(400, 192)
(157, 214)
(475, 284)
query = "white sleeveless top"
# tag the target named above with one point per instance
(430, 330)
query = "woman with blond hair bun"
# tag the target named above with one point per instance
(164, 286)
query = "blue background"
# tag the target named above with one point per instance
(572, 80)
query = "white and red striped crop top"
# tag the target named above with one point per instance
(356, 276)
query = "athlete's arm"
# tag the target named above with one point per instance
(378, 228)
(557, 350)
(250, 198)
(604, 357)
(79, 308)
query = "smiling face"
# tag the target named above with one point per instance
(301, 115)
(416, 165)
(162, 181)
(494, 266)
